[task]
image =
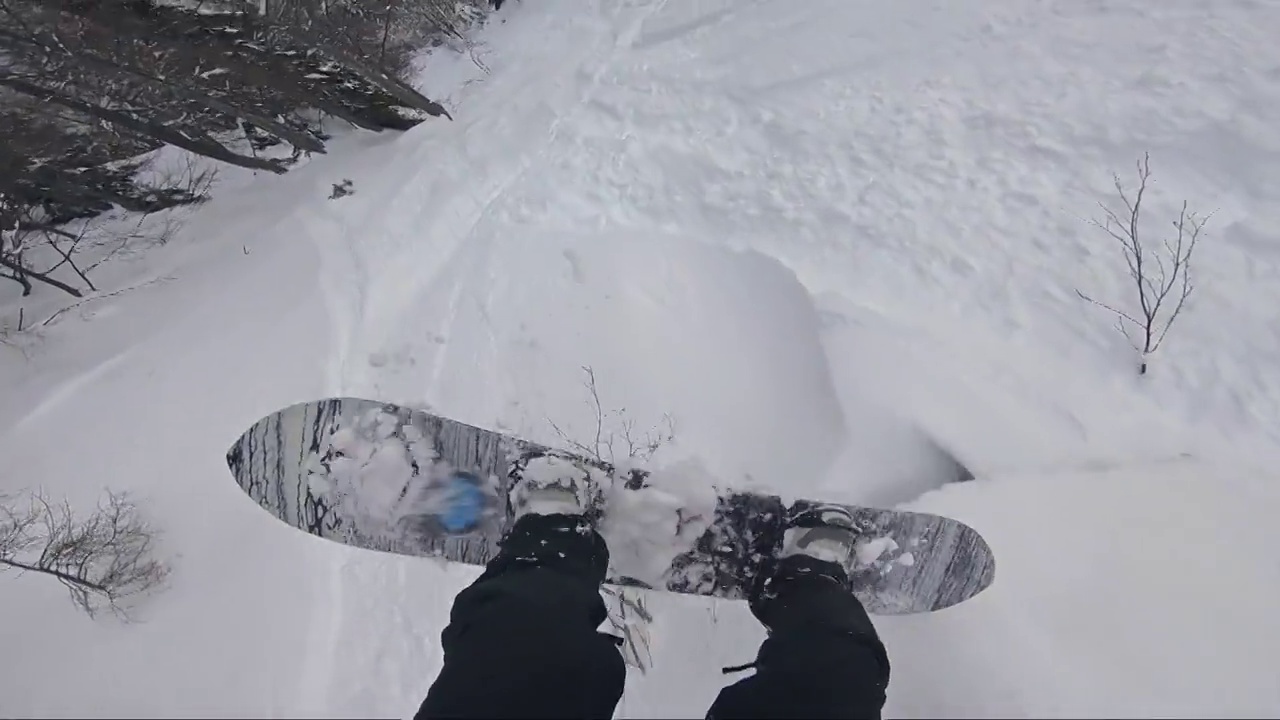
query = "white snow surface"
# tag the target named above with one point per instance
(827, 238)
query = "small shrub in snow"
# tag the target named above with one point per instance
(628, 613)
(104, 561)
(610, 445)
(1161, 272)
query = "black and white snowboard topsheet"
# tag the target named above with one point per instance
(395, 479)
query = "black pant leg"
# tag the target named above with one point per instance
(522, 639)
(822, 659)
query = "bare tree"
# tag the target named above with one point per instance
(104, 561)
(1161, 273)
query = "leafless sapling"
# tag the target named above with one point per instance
(1161, 273)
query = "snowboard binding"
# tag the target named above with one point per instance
(817, 541)
(822, 532)
(547, 482)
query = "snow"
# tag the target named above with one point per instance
(834, 241)
(639, 535)
(870, 551)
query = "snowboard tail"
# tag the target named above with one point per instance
(401, 480)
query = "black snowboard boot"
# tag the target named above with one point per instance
(817, 548)
(522, 639)
(822, 657)
(551, 500)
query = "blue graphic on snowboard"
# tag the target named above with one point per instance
(466, 503)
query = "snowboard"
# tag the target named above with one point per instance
(395, 479)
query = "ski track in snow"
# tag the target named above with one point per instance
(67, 389)
(906, 183)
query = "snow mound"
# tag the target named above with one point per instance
(726, 343)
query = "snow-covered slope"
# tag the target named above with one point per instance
(822, 236)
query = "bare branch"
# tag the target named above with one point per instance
(18, 269)
(103, 296)
(105, 560)
(1119, 313)
(629, 616)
